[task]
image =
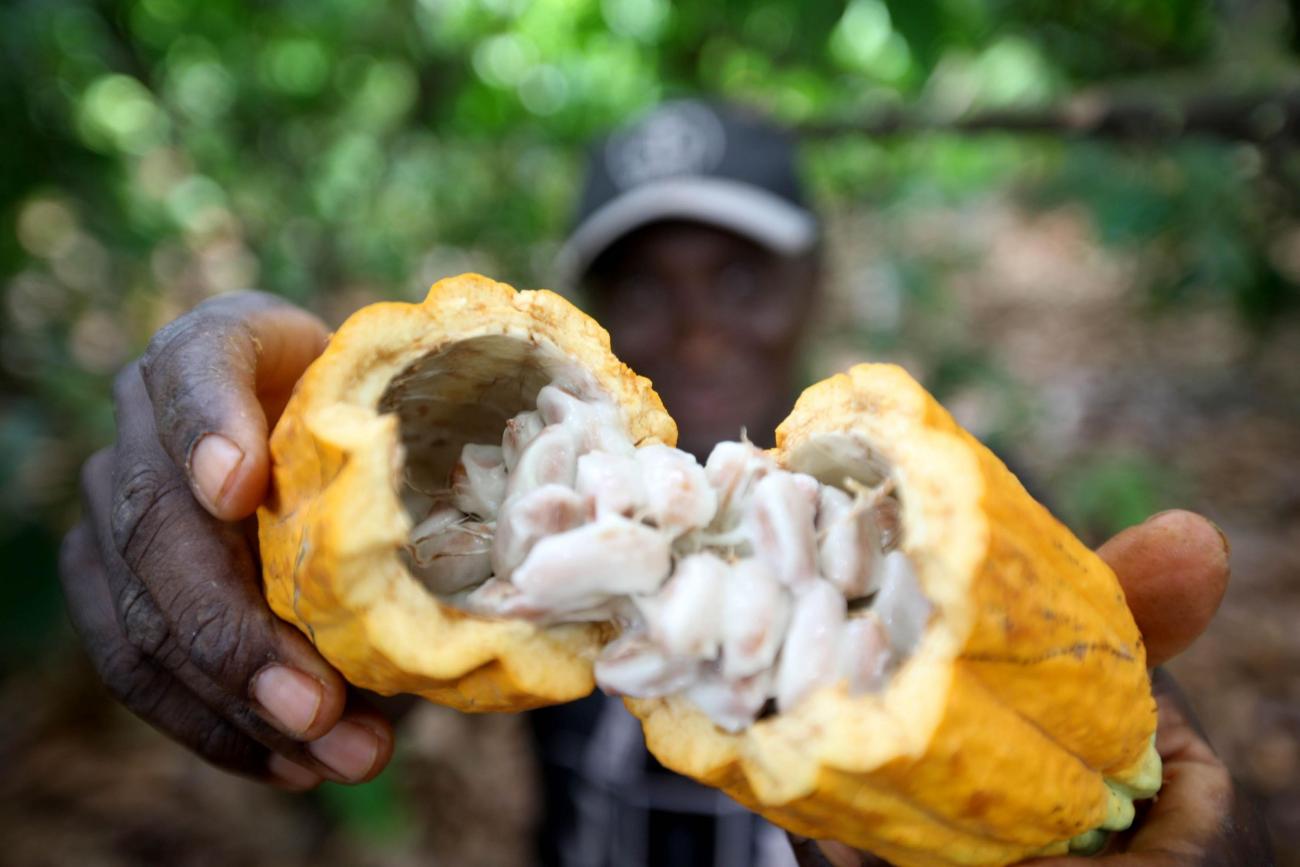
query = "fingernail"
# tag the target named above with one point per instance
(348, 749)
(1223, 537)
(213, 462)
(290, 697)
(291, 775)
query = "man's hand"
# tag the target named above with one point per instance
(162, 577)
(1174, 571)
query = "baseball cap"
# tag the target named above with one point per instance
(695, 160)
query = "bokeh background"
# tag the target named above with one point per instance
(1076, 221)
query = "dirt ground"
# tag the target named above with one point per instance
(1192, 392)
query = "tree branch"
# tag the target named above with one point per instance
(1265, 118)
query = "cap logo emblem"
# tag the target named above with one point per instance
(683, 138)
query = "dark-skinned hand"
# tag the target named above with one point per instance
(162, 578)
(1174, 571)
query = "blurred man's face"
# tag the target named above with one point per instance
(714, 320)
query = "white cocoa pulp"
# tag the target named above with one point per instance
(740, 584)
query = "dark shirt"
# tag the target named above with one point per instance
(607, 801)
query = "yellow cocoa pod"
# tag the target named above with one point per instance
(397, 391)
(1022, 720)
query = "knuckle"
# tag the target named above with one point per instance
(190, 364)
(171, 613)
(141, 620)
(225, 745)
(154, 695)
(132, 679)
(225, 642)
(216, 636)
(186, 345)
(179, 331)
(209, 328)
(168, 346)
(146, 503)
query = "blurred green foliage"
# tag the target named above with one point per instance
(157, 152)
(1104, 492)
(375, 813)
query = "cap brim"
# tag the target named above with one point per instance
(753, 212)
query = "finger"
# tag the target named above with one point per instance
(809, 853)
(217, 378)
(141, 623)
(149, 690)
(1195, 797)
(291, 776)
(1199, 815)
(200, 574)
(187, 593)
(144, 687)
(1174, 571)
(829, 853)
(358, 748)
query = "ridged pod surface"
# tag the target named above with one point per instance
(1023, 719)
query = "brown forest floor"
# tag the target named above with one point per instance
(1190, 391)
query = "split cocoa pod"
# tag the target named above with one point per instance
(870, 633)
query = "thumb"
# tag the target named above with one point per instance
(218, 377)
(1174, 571)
